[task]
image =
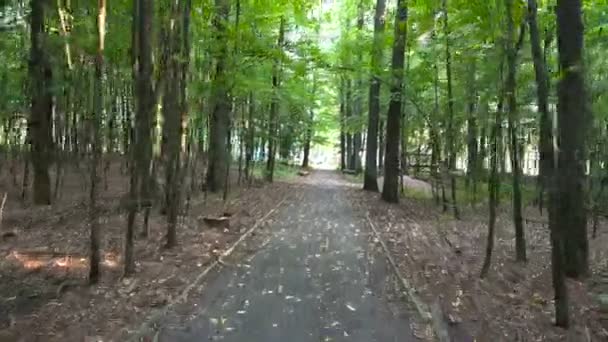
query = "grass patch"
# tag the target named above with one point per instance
(409, 192)
(505, 195)
(357, 178)
(282, 171)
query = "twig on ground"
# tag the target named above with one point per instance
(2, 208)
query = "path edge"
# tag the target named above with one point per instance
(148, 326)
(423, 309)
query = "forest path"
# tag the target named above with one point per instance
(320, 277)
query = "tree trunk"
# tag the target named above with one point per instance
(250, 139)
(494, 179)
(510, 88)
(41, 105)
(309, 128)
(370, 181)
(96, 148)
(390, 189)
(142, 149)
(472, 130)
(273, 124)
(219, 124)
(451, 131)
(173, 109)
(542, 93)
(573, 117)
(381, 144)
(357, 98)
(350, 146)
(342, 128)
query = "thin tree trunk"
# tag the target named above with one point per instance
(542, 94)
(142, 149)
(96, 148)
(309, 128)
(273, 124)
(451, 130)
(343, 153)
(472, 146)
(172, 114)
(348, 106)
(494, 179)
(370, 181)
(510, 88)
(357, 98)
(494, 176)
(250, 138)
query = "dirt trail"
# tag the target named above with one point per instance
(320, 277)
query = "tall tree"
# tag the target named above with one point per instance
(96, 148)
(41, 78)
(370, 180)
(542, 94)
(547, 169)
(141, 153)
(511, 51)
(573, 117)
(173, 110)
(472, 129)
(357, 98)
(494, 177)
(219, 124)
(450, 130)
(309, 129)
(390, 189)
(273, 124)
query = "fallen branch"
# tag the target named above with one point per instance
(2, 208)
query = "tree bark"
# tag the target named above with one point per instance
(450, 130)
(142, 147)
(273, 124)
(96, 148)
(173, 109)
(390, 189)
(472, 129)
(357, 98)
(573, 117)
(250, 139)
(219, 123)
(510, 89)
(494, 179)
(309, 128)
(370, 181)
(41, 79)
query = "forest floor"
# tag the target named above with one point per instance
(318, 234)
(43, 257)
(442, 258)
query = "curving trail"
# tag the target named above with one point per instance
(320, 277)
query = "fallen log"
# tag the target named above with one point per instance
(217, 222)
